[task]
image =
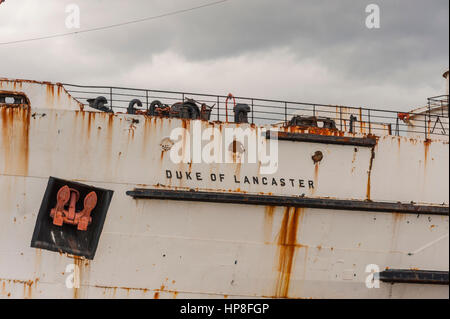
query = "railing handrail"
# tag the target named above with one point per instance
(435, 119)
(237, 97)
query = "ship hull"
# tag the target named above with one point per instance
(166, 248)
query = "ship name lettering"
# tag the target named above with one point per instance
(246, 180)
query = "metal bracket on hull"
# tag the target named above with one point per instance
(414, 276)
(292, 201)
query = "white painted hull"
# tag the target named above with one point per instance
(171, 249)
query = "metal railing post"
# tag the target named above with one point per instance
(218, 108)
(285, 112)
(253, 119)
(397, 128)
(111, 97)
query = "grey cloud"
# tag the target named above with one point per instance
(407, 53)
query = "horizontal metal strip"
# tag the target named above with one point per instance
(414, 276)
(324, 139)
(293, 201)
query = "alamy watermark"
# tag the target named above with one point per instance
(373, 17)
(73, 16)
(373, 279)
(73, 279)
(225, 145)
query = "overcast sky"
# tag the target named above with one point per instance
(302, 50)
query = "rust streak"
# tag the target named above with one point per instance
(50, 93)
(287, 242)
(90, 116)
(15, 127)
(426, 145)
(369, 173)
(268, 223)
(397, 218)
(316, 176)
(80, 264)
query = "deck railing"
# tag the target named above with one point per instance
(432, 121)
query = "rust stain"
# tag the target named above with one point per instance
(91, 115)
(156, 295)
(50, 93)
(81, 267)
(184, 124)
(77, 277)
(15, 129)
(313, 130)
(316, 177)
(131, 129)
(147, 134)
(27, 286)
(354, 155)
(238, 167)
(369, 173)
(268, 223)
(396, 220)
(426, 145)
(28, 289)
(287, 242)
(316, 172)
(109, 137)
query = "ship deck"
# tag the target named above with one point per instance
(431, 121)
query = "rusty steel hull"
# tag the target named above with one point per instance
(162, 248)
